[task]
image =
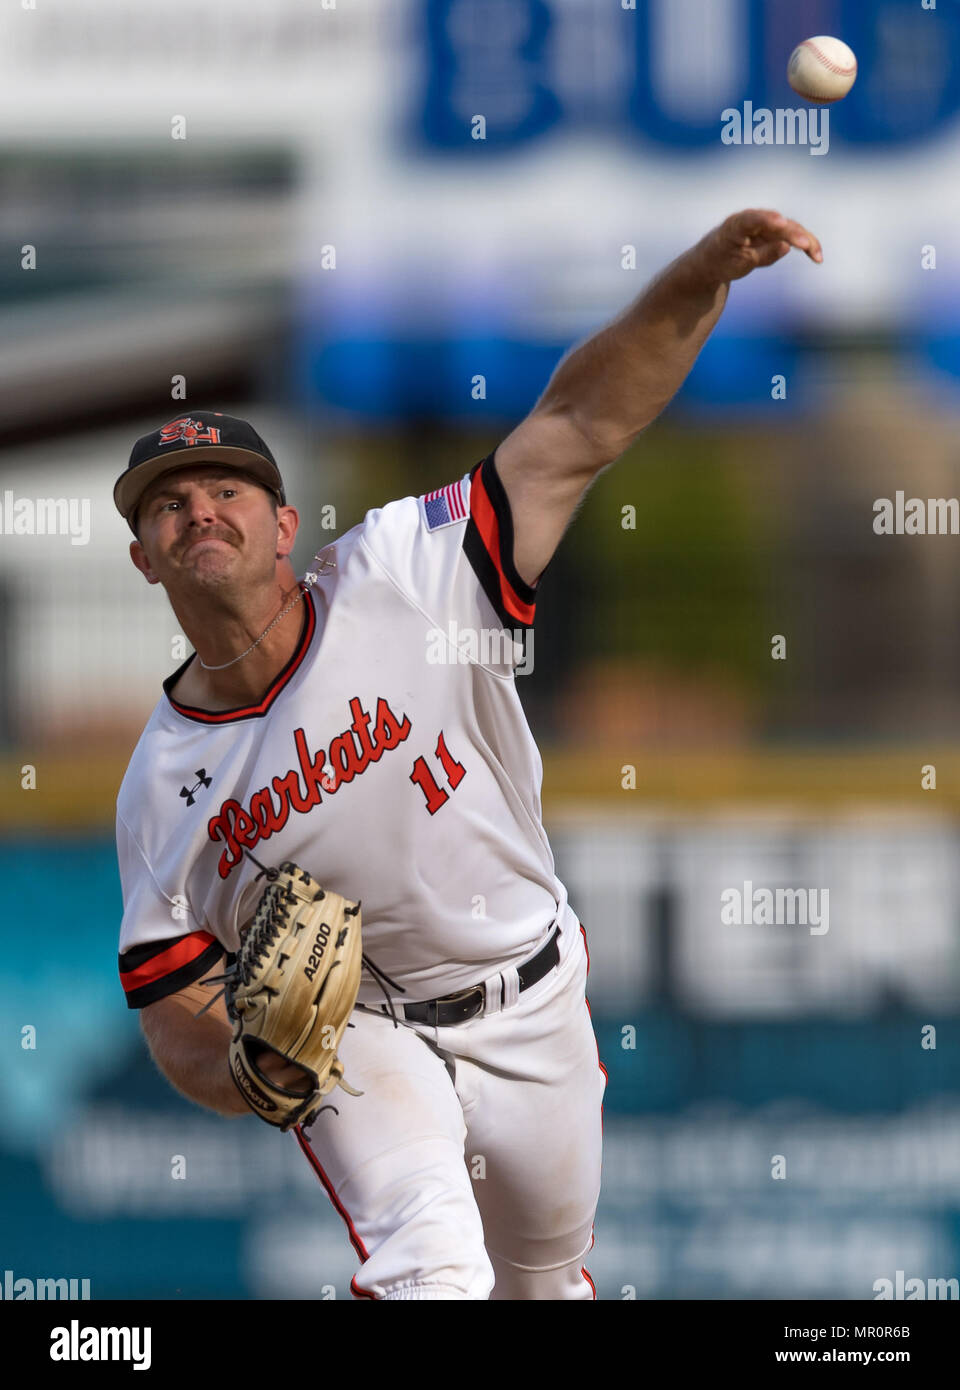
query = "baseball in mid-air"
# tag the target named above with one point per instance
(822, 69)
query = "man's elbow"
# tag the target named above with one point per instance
(580, 444)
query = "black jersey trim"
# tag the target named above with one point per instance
(488, 545)
(172, 980)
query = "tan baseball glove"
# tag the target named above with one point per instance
(290, 993)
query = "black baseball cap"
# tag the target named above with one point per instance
(192, 439)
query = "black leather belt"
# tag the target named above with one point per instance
(467, 1003)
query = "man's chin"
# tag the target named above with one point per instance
(209, 564)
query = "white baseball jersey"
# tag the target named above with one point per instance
(391, 757)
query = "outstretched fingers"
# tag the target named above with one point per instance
(761, 227)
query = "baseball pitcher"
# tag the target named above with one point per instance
(341, 912)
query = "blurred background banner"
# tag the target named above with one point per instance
(372, 229)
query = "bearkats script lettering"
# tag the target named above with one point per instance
(302, 788)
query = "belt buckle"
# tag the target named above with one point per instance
(462, 994)
(465, 994)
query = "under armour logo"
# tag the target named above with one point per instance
(202, 781)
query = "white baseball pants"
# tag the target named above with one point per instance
(470, 1166)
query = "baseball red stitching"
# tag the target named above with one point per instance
(831, 67)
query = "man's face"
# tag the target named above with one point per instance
(206, 527)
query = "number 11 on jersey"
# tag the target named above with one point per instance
(425, 780)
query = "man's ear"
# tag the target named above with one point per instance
(288, 521)
(139, 557)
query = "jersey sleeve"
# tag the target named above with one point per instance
(451, 552)
(154, 958)
(488, 545)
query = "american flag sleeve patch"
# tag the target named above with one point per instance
(445, 506)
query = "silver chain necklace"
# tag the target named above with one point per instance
(309, 578)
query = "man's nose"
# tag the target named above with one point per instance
(199, 508)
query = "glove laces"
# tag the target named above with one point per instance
(263, 932)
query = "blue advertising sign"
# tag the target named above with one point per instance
(663, 71)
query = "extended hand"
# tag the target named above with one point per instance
(753, 238)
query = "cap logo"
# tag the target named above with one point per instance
(189, 432)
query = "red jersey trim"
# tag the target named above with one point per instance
(181, 953)
(151, 972)
(487, 522)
